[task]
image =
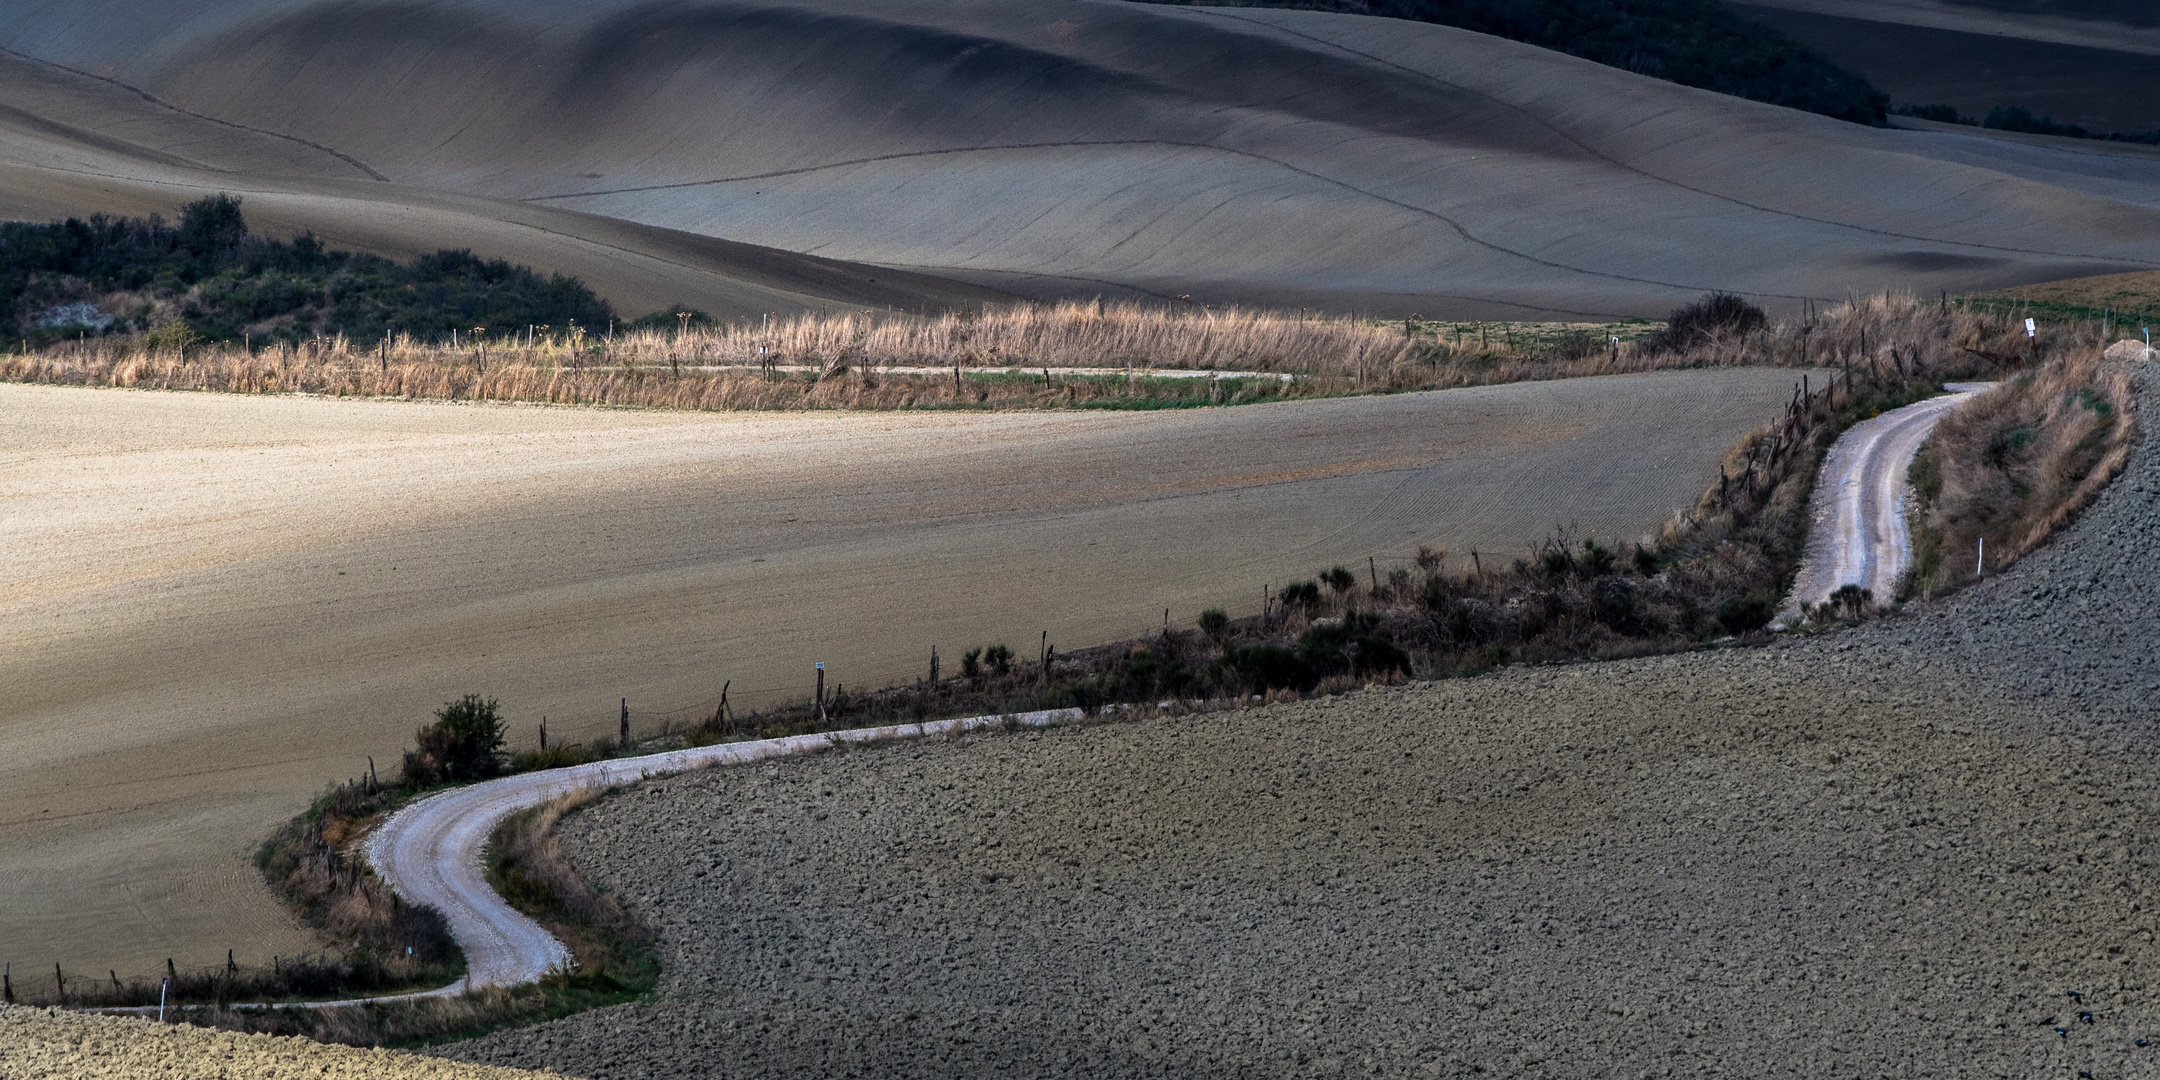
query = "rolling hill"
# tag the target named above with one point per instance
(1280, 157)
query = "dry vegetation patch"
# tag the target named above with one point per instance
(1066, 355)
(2001, 474)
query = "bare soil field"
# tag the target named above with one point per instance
(40, 1044)
(1247, 156)
(214, 604)
(1925, 847)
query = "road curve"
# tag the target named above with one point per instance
(431, 851)
(1858, 534)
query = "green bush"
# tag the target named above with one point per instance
(222, 281)
(464, 743)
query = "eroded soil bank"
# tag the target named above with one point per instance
(1899, 849)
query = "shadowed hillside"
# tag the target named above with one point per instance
(1290, 158)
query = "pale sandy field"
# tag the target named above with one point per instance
(213, 605)
(37, 1044)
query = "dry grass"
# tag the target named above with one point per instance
(874, 361)
(526, 866)
(2015, 464)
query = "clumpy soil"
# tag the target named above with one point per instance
(52, 1044)
(1925, 847)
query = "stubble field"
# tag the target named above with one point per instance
(215, 605)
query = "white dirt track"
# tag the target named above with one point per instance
(1858, 534)
(432, 851)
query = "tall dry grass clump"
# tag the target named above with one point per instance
(1085, 355)
(2002, 473)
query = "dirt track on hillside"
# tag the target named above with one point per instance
(215, 605)
(1896, 850)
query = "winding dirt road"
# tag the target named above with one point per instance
(431, 851)
(1858, 534)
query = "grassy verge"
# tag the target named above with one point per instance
(2003, 473)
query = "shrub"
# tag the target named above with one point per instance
(1267, 667)
(971, 664)
(1350, 647)
(1714, 315)
(1338, 578)
(1301, 594)
(1215, 623)
(464, 742)
(172, 334)
(1745, 614)
(998, 657)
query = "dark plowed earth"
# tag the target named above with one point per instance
(1894, 850)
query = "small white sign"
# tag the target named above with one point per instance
(2030, 330)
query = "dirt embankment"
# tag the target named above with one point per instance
(45, 1044)
(1901, 847)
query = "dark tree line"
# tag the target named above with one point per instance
(210, 272)
(1699, 43)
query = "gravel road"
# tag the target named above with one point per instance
(1858, 534)
(1891, 850)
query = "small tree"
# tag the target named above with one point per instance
(465, 741)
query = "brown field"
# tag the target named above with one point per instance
(2124, 294)
(216, 604)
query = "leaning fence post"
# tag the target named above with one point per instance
(163, 986)
(821, 690)
(623, 742)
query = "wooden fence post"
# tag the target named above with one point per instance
(623, 740)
